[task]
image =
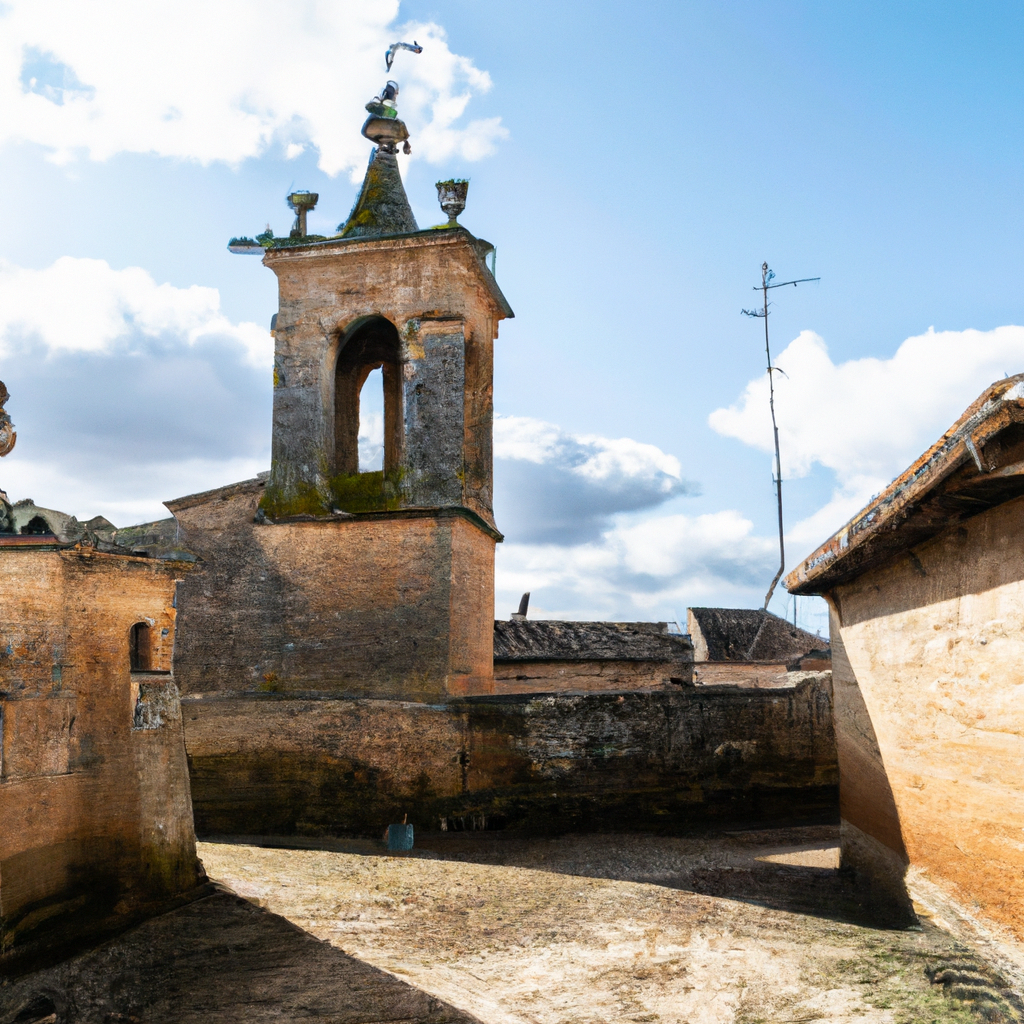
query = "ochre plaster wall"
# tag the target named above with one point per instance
(584, 676)
(389, 605)
(94, 794)
(929, 701)
(268, 764)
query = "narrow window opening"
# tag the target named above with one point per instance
(139, 647)
(367, 399)
(371, 423)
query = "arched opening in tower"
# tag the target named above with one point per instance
(371, 422)
(372, 345)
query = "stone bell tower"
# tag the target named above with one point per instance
(374, 584)
(422, 306)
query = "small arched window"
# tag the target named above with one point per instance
(370, 346)
(139, 649)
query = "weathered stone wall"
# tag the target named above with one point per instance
(94, 794)
(929, 704)
(549, 676)
(386, 605)
(739, 673)
(267, 764)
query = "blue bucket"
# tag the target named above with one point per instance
(399, 838)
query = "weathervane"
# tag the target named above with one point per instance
(389, 57)
(767, 276)
(383, 109)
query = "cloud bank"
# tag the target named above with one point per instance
(86, 306)
(866, 420)
(227, 80)
(583, 534)
(555, 487)
(636, 570)
(869, 417)
(127, 392)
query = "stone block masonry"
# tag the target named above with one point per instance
(94, 793)
(661, 761)
(387, 605)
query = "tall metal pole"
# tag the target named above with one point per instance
(775, 431)
(766, 277)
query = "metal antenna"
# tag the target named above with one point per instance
(767, 276)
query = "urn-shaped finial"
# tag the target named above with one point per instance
(452, 197)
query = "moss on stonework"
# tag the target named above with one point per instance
(284, 243)
(348, 492)
(367, 492)
(304, 499)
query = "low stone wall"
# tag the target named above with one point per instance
(666, 762)
(553, 676)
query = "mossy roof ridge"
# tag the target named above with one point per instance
(382, 207)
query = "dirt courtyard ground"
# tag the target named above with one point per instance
(732, 929)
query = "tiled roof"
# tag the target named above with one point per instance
(552, 640)
(751, 634)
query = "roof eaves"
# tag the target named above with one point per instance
(997, 407)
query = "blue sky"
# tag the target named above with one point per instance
(633, 167)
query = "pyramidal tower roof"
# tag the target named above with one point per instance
(382, 207)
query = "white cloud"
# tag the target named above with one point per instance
(129, 494)
(223, 81)
(648, 569)
(588, 455)
(868, 419)
(83, 305)
(371, 441)
(555, 486)
(127, 392)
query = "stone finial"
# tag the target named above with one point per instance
(451, 195)
(301, 202)
(8, 436)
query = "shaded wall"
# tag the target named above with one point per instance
(384, 605)
(94, 794)
(929, 697)
(266, 764)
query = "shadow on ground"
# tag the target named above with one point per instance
(730, 865)
(218, 960)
